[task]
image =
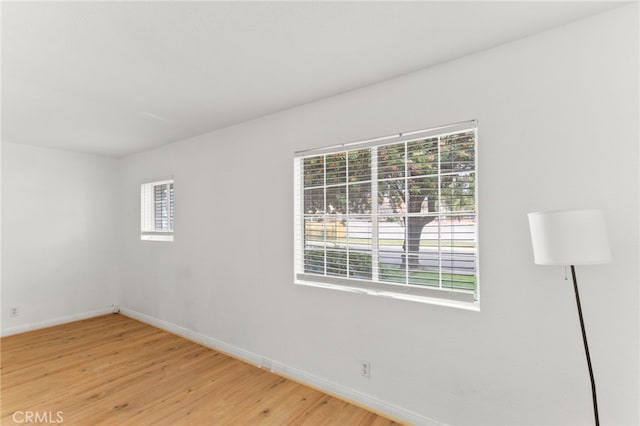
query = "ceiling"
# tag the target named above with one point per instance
(115, 78)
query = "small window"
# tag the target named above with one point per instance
(157, 211)
(396, 216)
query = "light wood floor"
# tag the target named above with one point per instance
(113, 370)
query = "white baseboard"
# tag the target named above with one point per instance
(55, 321)
(304, 377)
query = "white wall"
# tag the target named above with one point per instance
(59, 239)
(558, 128)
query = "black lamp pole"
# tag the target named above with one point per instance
(586, 345)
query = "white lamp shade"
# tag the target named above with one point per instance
(569, 237)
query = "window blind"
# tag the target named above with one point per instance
(157, 210)
(397, 216)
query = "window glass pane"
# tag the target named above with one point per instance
(457, 235)
(360, 264)
(313, 171)
(457, 152)
(314, 260)
(423, 263)
(422, 157)
(424, 275)
(458, 193)
(335, 230)
(391, 195)
(336, 168)
(314, 201)
(314, 230)
(359, 245)
(391, 235)
(359, 165)
(414, 226)
(423, 194)
(426, 270)
(337, 262)
(359, 232)
(360, 198)
(337, 200)
(391, 161)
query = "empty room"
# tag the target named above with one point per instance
(320, 213)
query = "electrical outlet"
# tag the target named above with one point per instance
(13, 312)
(365, 368)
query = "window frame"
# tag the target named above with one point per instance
(148, 220)
(452, 297)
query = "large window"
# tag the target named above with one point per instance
(157, 211)
(396, 216)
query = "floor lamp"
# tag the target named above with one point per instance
(571, 237)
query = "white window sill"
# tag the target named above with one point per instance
(157, 237)
(440, 301)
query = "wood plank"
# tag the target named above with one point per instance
(116, 370)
